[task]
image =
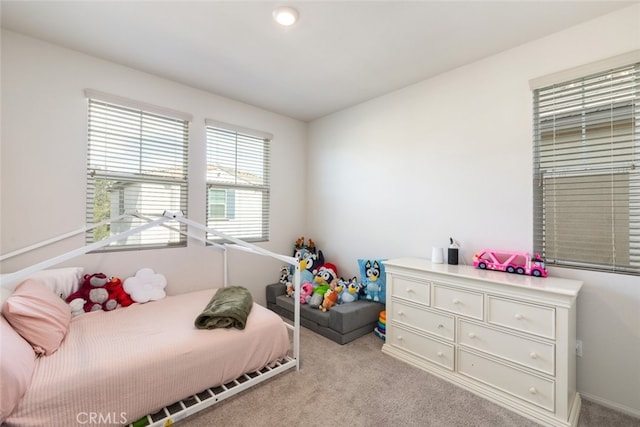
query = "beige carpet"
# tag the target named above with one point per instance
(357, 385)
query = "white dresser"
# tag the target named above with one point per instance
(506, 337)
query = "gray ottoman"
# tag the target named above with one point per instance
(342, 323)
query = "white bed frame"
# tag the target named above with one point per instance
(209, 397)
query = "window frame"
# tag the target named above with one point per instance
(243, 159)
(118, 131)
(568, 146)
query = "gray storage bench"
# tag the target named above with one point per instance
(342, 323)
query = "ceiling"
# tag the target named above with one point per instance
(339, 53)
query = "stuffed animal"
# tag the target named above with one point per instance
(77, 306)
(373, 290)
(284, 275)
(306, 289)
(333, 295)
(322, 282)
(341, 285)
(317, 295)
(309, 265)
(330, 299)
(309, 258)
(350, 293)
(325, 275)
(373, 279)
(362, 291)
(93, 290)
(290, 289)
(286, 279)
(316, 300)
(117, 292)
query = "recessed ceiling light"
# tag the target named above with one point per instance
(285, 15)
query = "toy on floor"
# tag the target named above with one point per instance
(381, 329)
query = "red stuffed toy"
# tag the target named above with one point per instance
(95, 294)
(117, 292)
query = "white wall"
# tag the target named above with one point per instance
(43, 155)
(452, 156)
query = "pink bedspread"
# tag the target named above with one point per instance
(119, 366)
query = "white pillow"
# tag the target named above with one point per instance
(61, 281)
(146, 285)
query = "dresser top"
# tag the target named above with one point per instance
(554, 285)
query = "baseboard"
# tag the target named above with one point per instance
(611, 405)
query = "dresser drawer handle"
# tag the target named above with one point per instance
(400, 338)
(533, 355)
(456, 301)
(409, 290)
(440, 354)
(472, 335)
(440, 326)
(533, 390)
(518, 316)
(400, 313)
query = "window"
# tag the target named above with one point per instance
(238, 181)
(137, 162)
(218, 204)
(586, 171)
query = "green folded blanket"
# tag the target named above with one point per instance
(228, 308)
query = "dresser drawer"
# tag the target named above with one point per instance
(533, 354)
(458, 301)
(531, 388)
(434, 323)
(426, 348)
(534, 319)
(408, 289)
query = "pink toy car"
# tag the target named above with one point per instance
(511, 262)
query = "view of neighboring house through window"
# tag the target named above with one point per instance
(587, 171)
(137, 162)
(237, 181)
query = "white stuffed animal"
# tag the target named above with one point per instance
(145, 286)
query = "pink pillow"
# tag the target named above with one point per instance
(17, 362)
(39, 315)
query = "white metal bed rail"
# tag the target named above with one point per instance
(21, 274)
(213, 395)
(61, 237)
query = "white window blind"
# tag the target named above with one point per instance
(137, 162)
(238, 165)
(587, 171)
